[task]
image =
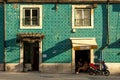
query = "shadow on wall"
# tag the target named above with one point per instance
(11, 45)
(12, 51)
(116, 7)
(115, 44)
(104, 33)
(13, 60)
(59, 48)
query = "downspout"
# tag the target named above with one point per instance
(4, 2)
(107, 32)
(108, 22)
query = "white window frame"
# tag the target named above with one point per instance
(40, 17)
(83, 7)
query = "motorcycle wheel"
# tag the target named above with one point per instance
(90, 71)
(106, 73)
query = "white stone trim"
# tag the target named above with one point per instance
(92, 56)
(56, 67)
(114, 68)
(92, 16)
(13, 67)
(22, 55)
(73, 58)
(83, 42)
(40, 55)
(1, 67)
(40, 15)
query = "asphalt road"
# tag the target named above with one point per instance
(48, 76)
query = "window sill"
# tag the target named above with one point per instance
(33, 27)
(83, 27)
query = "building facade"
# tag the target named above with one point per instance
(51, 35)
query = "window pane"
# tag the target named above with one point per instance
(34, 12)
(78, 17)
(87, 22)
(78, 14)
(35, 17)
(27, 17)
(87, 13)
(78, 22)
(87, 17)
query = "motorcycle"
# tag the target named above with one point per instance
(95, 69)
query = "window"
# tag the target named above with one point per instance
(31, 17)
(82, 16)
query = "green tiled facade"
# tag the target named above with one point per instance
(57, 28)
(1, 33)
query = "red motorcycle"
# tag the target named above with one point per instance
(95, 69)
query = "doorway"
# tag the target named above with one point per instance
(31, 56)
(84, 55)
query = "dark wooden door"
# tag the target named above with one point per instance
(35, 64)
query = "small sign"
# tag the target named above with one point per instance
(84, 47)
(44, 55)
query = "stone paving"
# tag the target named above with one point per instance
(48, 76)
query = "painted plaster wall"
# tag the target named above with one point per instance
(57, 28)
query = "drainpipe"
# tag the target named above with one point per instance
(107, 31)
(107, 22)
(4, 2)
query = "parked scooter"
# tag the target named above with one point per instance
(101, 69)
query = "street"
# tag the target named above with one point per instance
(48, 76)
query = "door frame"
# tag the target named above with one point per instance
(22, 55)
(73, 58)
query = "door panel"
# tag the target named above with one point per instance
(35, 64)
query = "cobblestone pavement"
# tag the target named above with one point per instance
(48, 76)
